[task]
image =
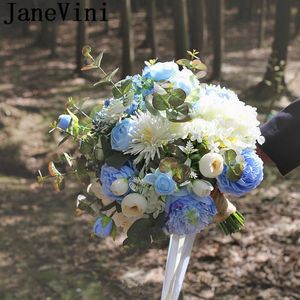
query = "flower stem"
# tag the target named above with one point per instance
(233, 223)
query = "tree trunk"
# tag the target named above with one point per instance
(81, 38)
(262, 23)
(181, 28)
(151, 16)
(297, 21)
(128, 41)
(54, 30)
(274, 80)
(218, 37)
(197, 22)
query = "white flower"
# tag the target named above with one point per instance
(149, 134)
(202, 188)
(134, 205)
(211, 165)
(229, 122)
(119, 187)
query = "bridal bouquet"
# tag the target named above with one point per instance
(156, 156)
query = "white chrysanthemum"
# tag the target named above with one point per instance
(224, 121)
(149, 134)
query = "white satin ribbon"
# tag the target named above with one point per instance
(179, 253)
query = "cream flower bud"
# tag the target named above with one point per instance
(119, 187)
(134, 205)
(211, 165)
(202, 188)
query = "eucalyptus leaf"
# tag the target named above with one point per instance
(177, 97)
(160, 102)
(149, 106)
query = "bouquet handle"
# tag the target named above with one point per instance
(180, 248)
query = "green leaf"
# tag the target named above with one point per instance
(114, 231)
(88, 205)
(59, 183)
(107, 78)
(98, 60)
(230, 157)
(184, 108)
(197, 64)
(168, 164)
(139, 234)
(121, 88)
(53, 170)
(177, 97)
(160, 102)
(184, 62)
(149, 106)
(117, 160)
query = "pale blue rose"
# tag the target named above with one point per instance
(161, 71)
(188, 213)
(216, 91)
(64, 122)
(120, 138)
(103, 227)
(252, 176)
(109, 174)
(163, 183)
(185, 80)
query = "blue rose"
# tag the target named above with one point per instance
(103, 227)
(252, 176)
(161, 71)
(188, 214)
(64, 122)
(185, 80)
(120, 138)
(109, 174)
(162, 182)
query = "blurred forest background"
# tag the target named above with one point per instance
(46, 252)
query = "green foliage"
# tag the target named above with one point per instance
(234, 223)
(117, 159)
(235, 169)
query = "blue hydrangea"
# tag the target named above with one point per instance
(161, 71)
(188, 213)
(143, 84)
(109, 174)
(137, 100)
(120, 138)
(103, 227)
(64, 121)
(252, 176)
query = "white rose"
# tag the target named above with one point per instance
(202, 188)
(123, 222)
(134, 205)
(211, 165)
(119, 187)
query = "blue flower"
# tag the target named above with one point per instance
(252, 176)
(143, 84)
(134, 105)
(120, 138)
(162, 182)
(161, 71)
(103, 227)
(217, 91)
(185, 80)
(64, 121)
(109, 174)
(188, 214)
(106, 102)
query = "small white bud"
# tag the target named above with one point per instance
(119, 187)
(202, 188)
(211, 165)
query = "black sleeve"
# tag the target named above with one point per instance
(282, 134)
